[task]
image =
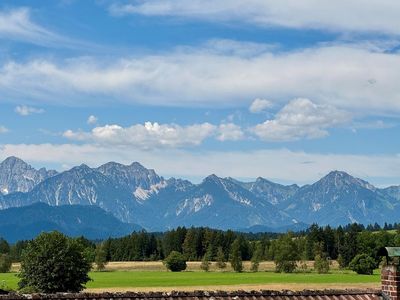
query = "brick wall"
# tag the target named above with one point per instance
(390, 278)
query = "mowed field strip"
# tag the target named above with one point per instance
(152, 276)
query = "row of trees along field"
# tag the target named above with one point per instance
(287, 250)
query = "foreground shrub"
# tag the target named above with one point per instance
(175, 262)
(53, 263)
(5, 263)
(363, 264)
(321, 264)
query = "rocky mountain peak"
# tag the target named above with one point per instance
(18, 176)
(214, 181)
(138, 166)
(212, 178)
(81, 169)
(134, 177)
(13, 162)
(341, 179)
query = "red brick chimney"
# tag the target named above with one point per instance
(390, 278)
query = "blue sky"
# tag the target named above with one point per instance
(288, 90)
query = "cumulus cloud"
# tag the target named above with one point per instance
(340, 15)
(147, 135)
(279, 164)
(229, 132)
(301, 118)
(92, 120)
(24, 110)
(3, 129)
(199, 77)
(260, 105)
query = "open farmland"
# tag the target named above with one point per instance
(192, 266)
(145, 276)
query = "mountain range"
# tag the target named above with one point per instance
(135, 194)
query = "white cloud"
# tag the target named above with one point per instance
(260, 105)
(229, 132)
(345, 76)
(92, 120)
(279, 164)
(17, 25)
(301, 118)
(24, 110)
(147, 135)
(379, 16)
(3, 129)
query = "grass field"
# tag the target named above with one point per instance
(151, 276)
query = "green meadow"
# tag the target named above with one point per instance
(163, 279)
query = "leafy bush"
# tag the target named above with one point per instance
(53, 263)
(321, 264)
(28, 290)
(175, 262)
(285, 266)
(362, 264)
(303, 267)
(5, 263)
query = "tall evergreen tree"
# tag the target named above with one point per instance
(286, 254)
(189, 245)
(205, 262)
(236, 256)
(101, 258)
(257, 257)
(221, 262)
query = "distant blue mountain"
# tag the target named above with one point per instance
(24, 223)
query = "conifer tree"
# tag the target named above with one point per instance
(205, 262)
(101, 258)
(236, 256)
(257, 257)
(221, 262)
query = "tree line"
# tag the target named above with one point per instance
(288, 250)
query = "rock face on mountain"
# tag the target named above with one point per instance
(138, 195)
(24, 223)
(84, 186)
(272, 192)
(222, 203)
(392, 191)
(142, 182)
(17, 176)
